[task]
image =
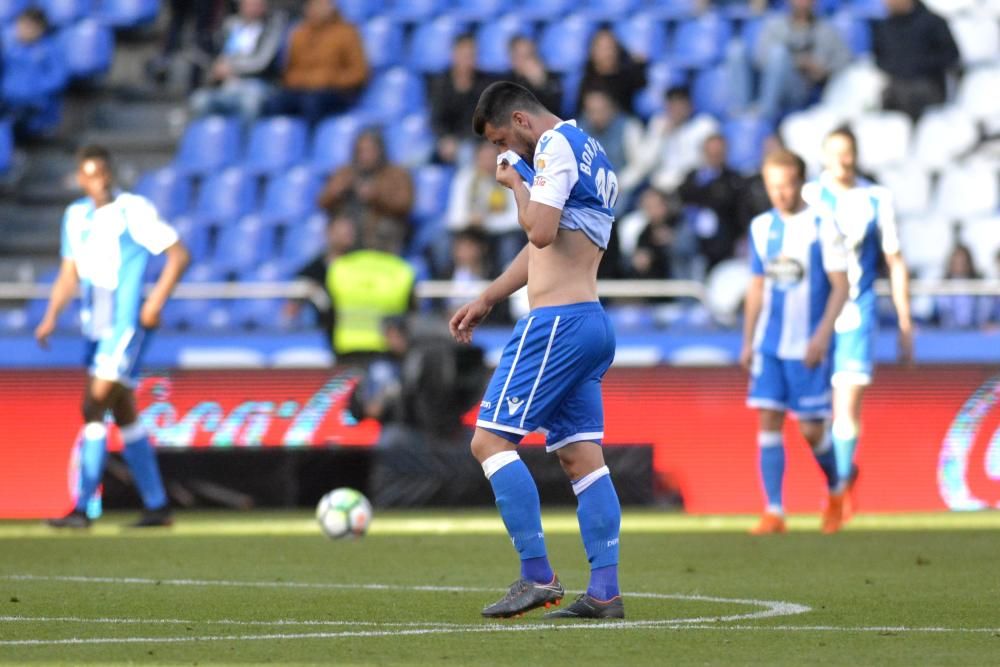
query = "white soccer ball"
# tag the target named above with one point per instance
(343, 513)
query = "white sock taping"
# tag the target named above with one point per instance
(497, 461)
(582, 484)
(844, 429)
(95, 431)
(770, 439)
(132, 433)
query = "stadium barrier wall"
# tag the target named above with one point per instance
(930, 441)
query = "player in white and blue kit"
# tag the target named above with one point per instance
(107, 239)
(797, 289)
(866, 217)
(549, 377)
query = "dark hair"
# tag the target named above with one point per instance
(846, 132)
(499, 101)
(35, 15)
(675, 92)
(463, 37)
(519, 37)
(93, 152)
(473, 234)
(786, 158)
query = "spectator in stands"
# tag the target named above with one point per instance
(453, 96)
(371, 191)
(648, 237)
(673, 143)
(470, 262)
(717, 190)
(610, 67)
(341, 238)
(915, 48)
(963, 311)
(619, 134)
(181, 11)
(326, 66)
(476, 201)
(528, 70)
(34, 75)
(794, 55)
(245, 58)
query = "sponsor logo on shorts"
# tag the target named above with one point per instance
(486, 405)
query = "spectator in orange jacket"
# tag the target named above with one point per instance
(326, 66)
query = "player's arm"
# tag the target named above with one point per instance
(899, 273)
(178, 259)
(819, 344)
(471, 314)
(752, 305)
(63, 291)
(539, 221)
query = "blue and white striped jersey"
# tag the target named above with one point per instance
(110, 246)
(866, 218)
(794, 256)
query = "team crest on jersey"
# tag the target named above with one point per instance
(785, 272)
(539, 163)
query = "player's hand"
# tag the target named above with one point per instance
(904, 349)
(467, 318)
(507, 176)
(149, 315)
(746, 357)
(815, 352)
(43, 331)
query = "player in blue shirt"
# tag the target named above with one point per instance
(865, 215)
(107, 239)
(797, 289)
(549, 377)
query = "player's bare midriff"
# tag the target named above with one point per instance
(563, 272)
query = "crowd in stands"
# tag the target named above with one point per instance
(362, 110)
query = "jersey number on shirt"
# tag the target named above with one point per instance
(607, 187)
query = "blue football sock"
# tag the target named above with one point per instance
(141, 459)
(845, 441)
(826, 457)
(93, 452)
(600, 517)
(772, 468)
(517, 500)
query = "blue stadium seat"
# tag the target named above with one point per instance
(9, 9)
(867, 9)
(128, 13)
(209, 144)
(745, 138)
(197, 314)
(244, 244)
(479, 11)
(196, 236)
(414, 11)
(89, 46)
(304, 240)
(13, 320)
(393, 94)
(543, 10)
(659, 77)
(565, 43)
(65, 12)
(168, 188)
(608, 10)
(642, 35)
(357, 11)
(6, 145)
(431, 185)
(710, 94)
(291, 196)
(275, 144)
(430, 45)
(750, 31)
(409, 141)
(333, 142)
(493, 42)
(383, 40)
(856, 32)
(700, 42)
(672, 10)
(226, 195)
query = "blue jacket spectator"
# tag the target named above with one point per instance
(34, 75)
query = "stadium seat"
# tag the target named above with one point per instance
(478, 11)
(383, 40)
(543, 10)
(209, 144)
(393, 94)
(642, 35)
(977, 36)
(883, 139)
(196, 236)
(168, 188)
(868, 9)
(949, 8)
(89, 47)
(942, 135)
(356, 11)
(968, 191)
(803, 131)
(197, 314)
(977, 92)
(910, 185)
(750, 31)
(982, 235)
(431, 184)
(226, 195)
(431, 43)
(493, 42)
(276, 144)
(608, 10)
(856, 32)
(660, 76)
(291, 196)
(9, 9)
(13, 320)
(673, 10)
(65, 12)
(414, 11)
(333, 142)
(409, 141)
(710, 94)
(6, 145)
(565, 42)
(854, 89)
(745, 139)
(700, 42)
(990, 7)
(244, 244)
(304, 240)
(925, 242)
(128, 13)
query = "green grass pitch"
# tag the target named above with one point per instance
(268, 588)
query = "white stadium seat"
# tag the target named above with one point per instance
(855, 89)
(990, 7)
(977, 92)
(883, 139)
(803, 132)
(982, 235)
(926, 242)
(977, 36)
(910, 185)
(968, 191)
(942, 135)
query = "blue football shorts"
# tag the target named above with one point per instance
(787, 385)
(854, 344)
(549, 377)
(117, 356)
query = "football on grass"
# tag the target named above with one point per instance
(343, 513)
